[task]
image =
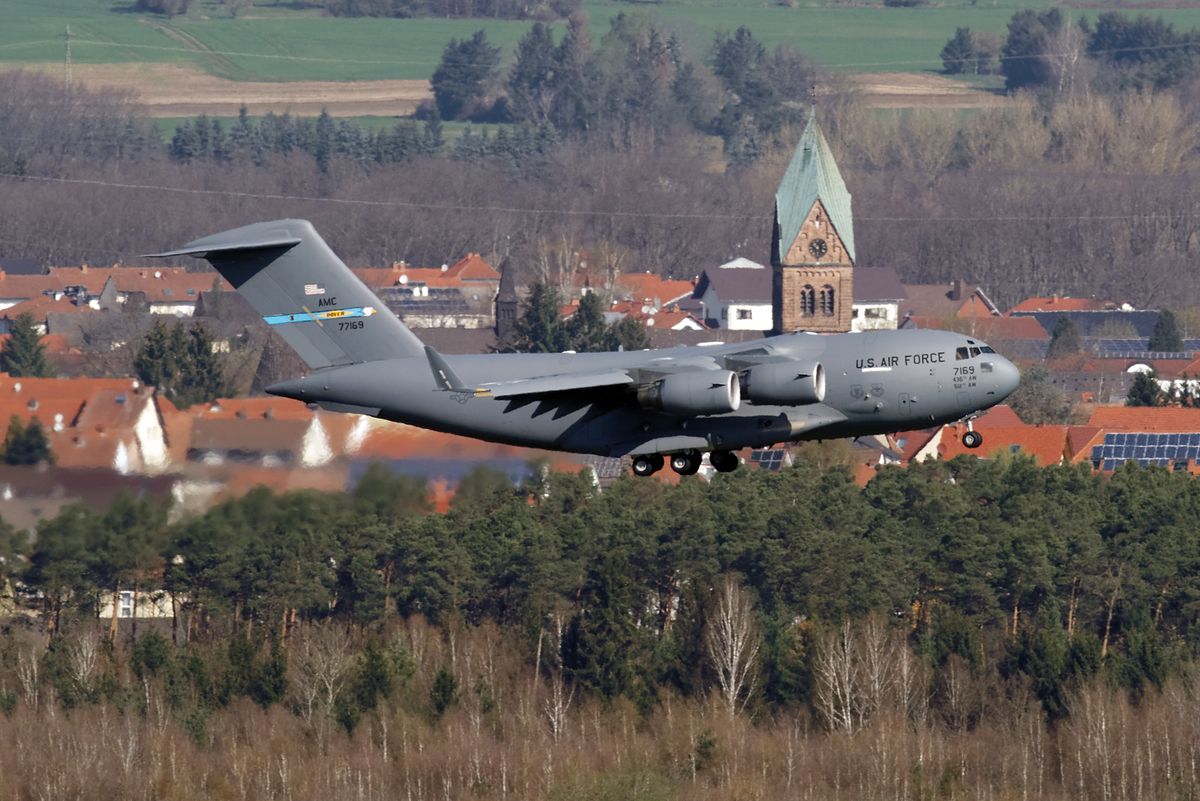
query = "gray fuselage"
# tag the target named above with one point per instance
(876, 382)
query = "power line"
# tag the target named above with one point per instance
(425, 62)
(401, 204)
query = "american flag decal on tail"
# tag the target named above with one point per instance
(314, 289)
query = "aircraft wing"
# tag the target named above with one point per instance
(555, 384)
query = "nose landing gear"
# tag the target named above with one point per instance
(972, 439)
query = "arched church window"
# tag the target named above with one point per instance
(827, 300)
(808, 300)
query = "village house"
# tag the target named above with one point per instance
(737, 296)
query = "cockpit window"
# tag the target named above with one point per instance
(988, 349)
(974, 352)
(961, 354)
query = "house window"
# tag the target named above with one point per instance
(876, 313)
(808, 301)
(745, 314)
(827, 303)
(125, 603)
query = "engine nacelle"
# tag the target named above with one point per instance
(786, 383)
(694, 392)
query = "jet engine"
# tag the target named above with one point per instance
(694, 392)
(789, 383)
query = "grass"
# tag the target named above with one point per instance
(279, 42)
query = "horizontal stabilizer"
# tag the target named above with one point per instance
(200, 249)
(555, 384)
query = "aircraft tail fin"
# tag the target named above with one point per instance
(305, 293)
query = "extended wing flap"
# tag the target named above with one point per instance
(812, 417)
(555, 384)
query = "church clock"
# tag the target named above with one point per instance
(817, 248)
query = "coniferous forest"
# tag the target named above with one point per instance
(972, 629)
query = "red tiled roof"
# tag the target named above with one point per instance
(470, 269)
(998, 416)
(399, 441)
(1046, 444)
(1055, 303)
(1080, 440)
(45, 398)
(936, 301)
(1150, 419)
(987, 328)
(473, 267)
(669, 318)
(654, 288)
(266, 407)
(42, 305)
(52, 343)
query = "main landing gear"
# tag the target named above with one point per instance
(686, 463)
(647, 465)
(972, 438)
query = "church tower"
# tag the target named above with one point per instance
(507, 306)
(812, 251)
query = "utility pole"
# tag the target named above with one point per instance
(68, 62)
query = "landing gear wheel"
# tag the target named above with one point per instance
(685, 464)
(647, 465)
(724, 461)
(972, 439)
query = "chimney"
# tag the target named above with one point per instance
(957, 289)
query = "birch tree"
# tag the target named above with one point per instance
(733, 640)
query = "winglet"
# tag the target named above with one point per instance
(443, 376)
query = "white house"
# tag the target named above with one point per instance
(878, 294)
(737, 296)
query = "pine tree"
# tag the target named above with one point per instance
(1064, 341)
(23, 355)
(182, 363)
(1145, 391)
(958, 56)
(462, 76)
(540, 328)
(26, 446)
(1166, 337)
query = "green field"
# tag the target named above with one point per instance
(281, 43)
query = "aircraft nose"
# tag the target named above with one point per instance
(1007, 377)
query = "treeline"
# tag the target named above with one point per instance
(1092, 194)
(984, 561)
(494, 9)
(1001, 627)
(1045, 50)
(322, 138)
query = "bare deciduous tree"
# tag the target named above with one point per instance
(733, 641)
(325, 663)
(83, 660)
(838, 681)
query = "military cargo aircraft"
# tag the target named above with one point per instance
(673, 404)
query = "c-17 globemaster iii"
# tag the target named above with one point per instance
(650, 405)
